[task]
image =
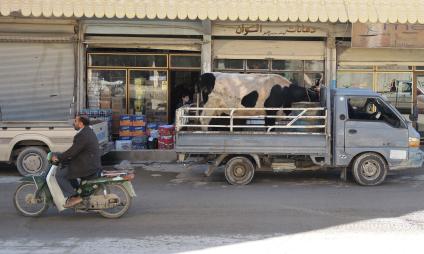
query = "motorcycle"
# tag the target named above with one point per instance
(110, 195)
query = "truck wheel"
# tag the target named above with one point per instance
(32, 160)
(369, 169)
(239, 171)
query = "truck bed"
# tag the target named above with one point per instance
(301, 133)
(245, 143)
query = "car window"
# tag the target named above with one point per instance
(371, 109)
(404, 87)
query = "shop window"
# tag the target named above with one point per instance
(106, 89)
(97, 60)
(148, 94)
(313, 79)
(419, 68)
(151, 61)
(120, 60)
(287, 65)
(314, 65)
(355, 67)
(257, 64)
(229, 64)
(397, 88)
(185, 61)
(354, 80)
(293, 77)
(393, 67)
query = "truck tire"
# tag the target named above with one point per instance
(369, 169)
(239, 171)
(32, 160)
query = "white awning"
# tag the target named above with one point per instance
(383, 11)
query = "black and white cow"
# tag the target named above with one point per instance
(234, 90)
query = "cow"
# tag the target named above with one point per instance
(234, 90)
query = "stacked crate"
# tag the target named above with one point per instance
(93, 93)
(138, 132)
(132, 131)
(105, 98)
(118, 107)
(124, 141)
(104, 115)
(166, 137)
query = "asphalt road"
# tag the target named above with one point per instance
(178, 210)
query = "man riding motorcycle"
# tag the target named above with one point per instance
(83, 159)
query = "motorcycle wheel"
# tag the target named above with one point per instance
(26, 203)
(124, 201)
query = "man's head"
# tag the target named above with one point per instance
(186, 99)
(185, 96)
(80, 122)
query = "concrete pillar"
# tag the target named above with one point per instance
(331, 61)
(206, 55)
(81, 78)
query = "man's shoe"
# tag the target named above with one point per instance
(72, 201)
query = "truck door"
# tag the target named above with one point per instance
(373, 126)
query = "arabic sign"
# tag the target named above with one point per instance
(263, 29)
(387, 35)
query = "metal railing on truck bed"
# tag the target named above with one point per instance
(299, 121)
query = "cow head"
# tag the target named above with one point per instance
(297, 93)
(205, 86)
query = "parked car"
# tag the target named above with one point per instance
(400, 96)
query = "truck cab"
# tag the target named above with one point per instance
(370, 133)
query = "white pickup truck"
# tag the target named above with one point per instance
(26, 144)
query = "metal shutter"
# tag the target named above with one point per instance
(36, 81)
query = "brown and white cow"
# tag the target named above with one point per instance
(234, 90)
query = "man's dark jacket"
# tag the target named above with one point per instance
(83, 156)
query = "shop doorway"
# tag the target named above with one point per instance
(183, 82)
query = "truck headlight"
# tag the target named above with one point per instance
(414, 142)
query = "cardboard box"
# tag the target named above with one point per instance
(125, 120)
(105, 104)
(124, 131)
(106, 92)
(118, 105)
(138, 120)
(138, 131)
(123, 145)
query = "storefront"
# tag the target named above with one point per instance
(134, 57)
(148, 84)
(140, 68)
(296, 51)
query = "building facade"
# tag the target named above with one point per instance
(133, 56)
